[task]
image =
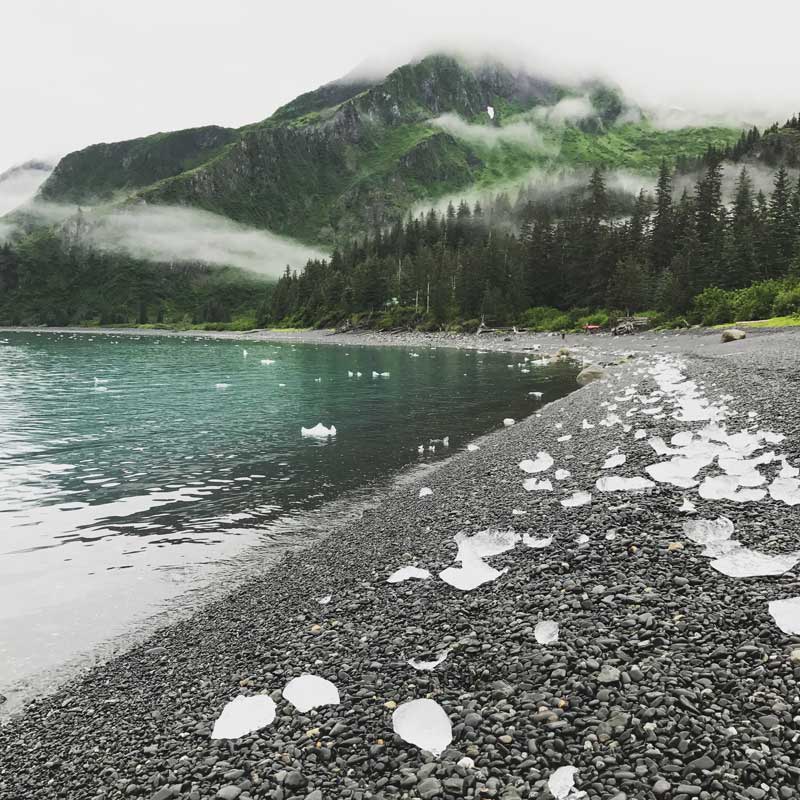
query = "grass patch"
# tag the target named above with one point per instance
(772, 322)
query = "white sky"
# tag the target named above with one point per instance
(74, 72)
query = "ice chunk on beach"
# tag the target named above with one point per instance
(565, 438)
(310, 691)
(541, 463)
(323, 601)
(244, 715)
(423, 723)
(786, 490)
(787, 470)
(472, 448)
(427, 666)
(319, 431)
(678, 471)
(546, 631)
(614, 461)
(586, 425)
(713, 534)
(536, 544)
(562, 784)
(640, 433)
(726, 487)
(562, 474)
(425, 491)
(537, 485)
(786, 614)
(508, 422)
(616, 483)
(472, 573)
(687, 507)
(485, 543)
(745, 563)
(577, 499)
(408, 573)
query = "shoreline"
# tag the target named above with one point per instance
(682, 649)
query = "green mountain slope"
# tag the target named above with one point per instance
(344, 158)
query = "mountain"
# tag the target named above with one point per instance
(354, 155)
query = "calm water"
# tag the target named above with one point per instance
(133, 467)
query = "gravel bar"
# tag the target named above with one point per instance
(669, 680)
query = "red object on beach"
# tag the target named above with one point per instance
(591, 328)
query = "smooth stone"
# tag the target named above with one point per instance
(430, 787)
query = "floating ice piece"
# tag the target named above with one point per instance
(221, 385)
(726, 487)
(375, 374)
(537, 395)
(615, 461)
(546, 631)
(425, 492)
(616, 483)
(472, 573)
(565, 438)
(244, 715)
(577, 499)
(472, 448)
(508, 422)
(586, 425)
(537, 485)
(536, 544)
(350, 374)
(423, 723)
(319, 431)
(267, 361)
(713, 534)
(358, 374)
(427, 666)
(323, 601)
(100, 380)
(541, 463)
(421, 449)
(407, 573)
(687, 507)
(446, 441)
(310, 691)
(562, 474)
(105, 388)
(385, 374)
(562, 784)
(317, 380)
(244, 353)
(786, 490)
(490, 112)
(485, 543)
(745, 563)
(786, 614)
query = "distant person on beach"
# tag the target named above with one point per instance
(563, 335)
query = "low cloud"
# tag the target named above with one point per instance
(570, 109)
(519, 133)
(19, 184)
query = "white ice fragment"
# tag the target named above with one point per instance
(485, 543)
(586, 425)
(490, 112)
(745, 563)
(537, 485)
(323, 601)
(565, 438)
(518, 512)
(562, 784)
(319, 431)
(508, 422)
(546, 631)
(786, 490)
(786, 614)
(421, 449)
(687, 507)
(310, 691)
(787, 470)
(537, 395)
(614, 461)
(472, 573)
(423, 723)
(541, 463)
(425, 491)
(267, 361)
(677, 471)
(407, 573)
(771, 438)
(581, 538)
(427, 666)
(577, 499)
(244, 715)
(640, 434)
(385, 374)
(472, 448)
(536, 544)
(616, 483)
(221, 385)
(713, 535)
(349, 374)
(244, 353)
(726, 487)
(562, 474)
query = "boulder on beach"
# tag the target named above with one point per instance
(594, 372)
(733, 335)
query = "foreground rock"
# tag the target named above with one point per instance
(667, 680)
(733, 335)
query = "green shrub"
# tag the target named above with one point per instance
(713, 306)
(787, 301)
(756, 301)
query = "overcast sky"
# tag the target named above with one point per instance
(74, 72)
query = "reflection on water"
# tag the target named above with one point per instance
(130, 465)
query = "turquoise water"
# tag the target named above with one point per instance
(129, 465)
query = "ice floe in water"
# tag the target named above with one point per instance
(541, 463)
(423, 723)
(425, 492)
(617, 460)
(786, 614)
(577, 499)
(427, 666)
(310, 691)
(244, 715)
(726, 487)
(616, 483)
(508, 422)
(562, 784)
(546, 631)
(407, 573)
(536, 544)
(319, 431)
(745, 563)
(537, 485)
(267, 361)
(786, 490)
(221, 386)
